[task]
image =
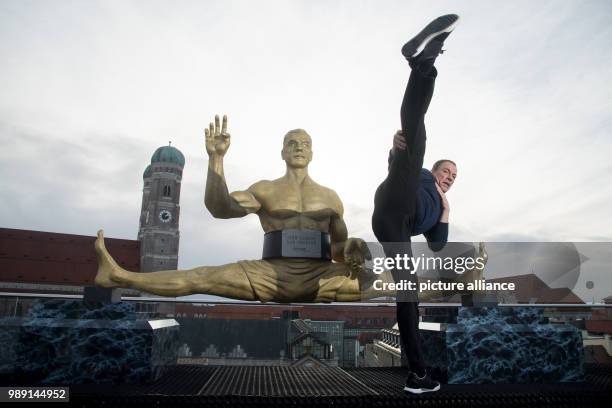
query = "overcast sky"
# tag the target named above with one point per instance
(90, 89)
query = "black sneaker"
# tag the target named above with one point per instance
(419, 385)
(441, 25)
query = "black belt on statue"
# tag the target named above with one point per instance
(295, 243)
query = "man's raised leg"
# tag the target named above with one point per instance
(421, 52)
(395, 198)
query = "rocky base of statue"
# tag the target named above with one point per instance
(476, 345)
(75, 342)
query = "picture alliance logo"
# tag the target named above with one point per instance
(479, 285)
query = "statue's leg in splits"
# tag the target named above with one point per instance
(264, 280)
(223, 280)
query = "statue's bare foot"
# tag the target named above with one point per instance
(108, 270)
(370, 292)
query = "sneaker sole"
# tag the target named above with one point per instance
(421, 390)
(410, 49)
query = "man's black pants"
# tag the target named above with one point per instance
(395, 207)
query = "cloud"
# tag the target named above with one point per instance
(90, 90)
(63, 182)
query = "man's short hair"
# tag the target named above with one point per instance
(440, 162)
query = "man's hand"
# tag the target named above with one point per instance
(445, 205)
(398, 141)
(355, 253)
(217, 138)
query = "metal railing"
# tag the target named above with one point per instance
(257, 303)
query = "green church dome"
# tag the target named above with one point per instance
(147, 172)
(168, 154)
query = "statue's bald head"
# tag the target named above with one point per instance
(296, 132)
(297, 148)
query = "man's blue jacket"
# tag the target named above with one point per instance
(428, 210)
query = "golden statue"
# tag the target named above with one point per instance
(304, 230)
(296, 213)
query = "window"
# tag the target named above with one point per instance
(166, 191)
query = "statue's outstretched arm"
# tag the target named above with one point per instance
(217, 197)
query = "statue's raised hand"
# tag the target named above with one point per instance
(217, 138)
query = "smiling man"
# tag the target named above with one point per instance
(412, 200)
(445, 172)
(432, 208)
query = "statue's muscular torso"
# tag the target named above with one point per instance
(285, 204)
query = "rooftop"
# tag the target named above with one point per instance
(381, 387)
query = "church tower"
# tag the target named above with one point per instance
(159, 214)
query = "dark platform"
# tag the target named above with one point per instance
(75, 342)
(312, 387)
